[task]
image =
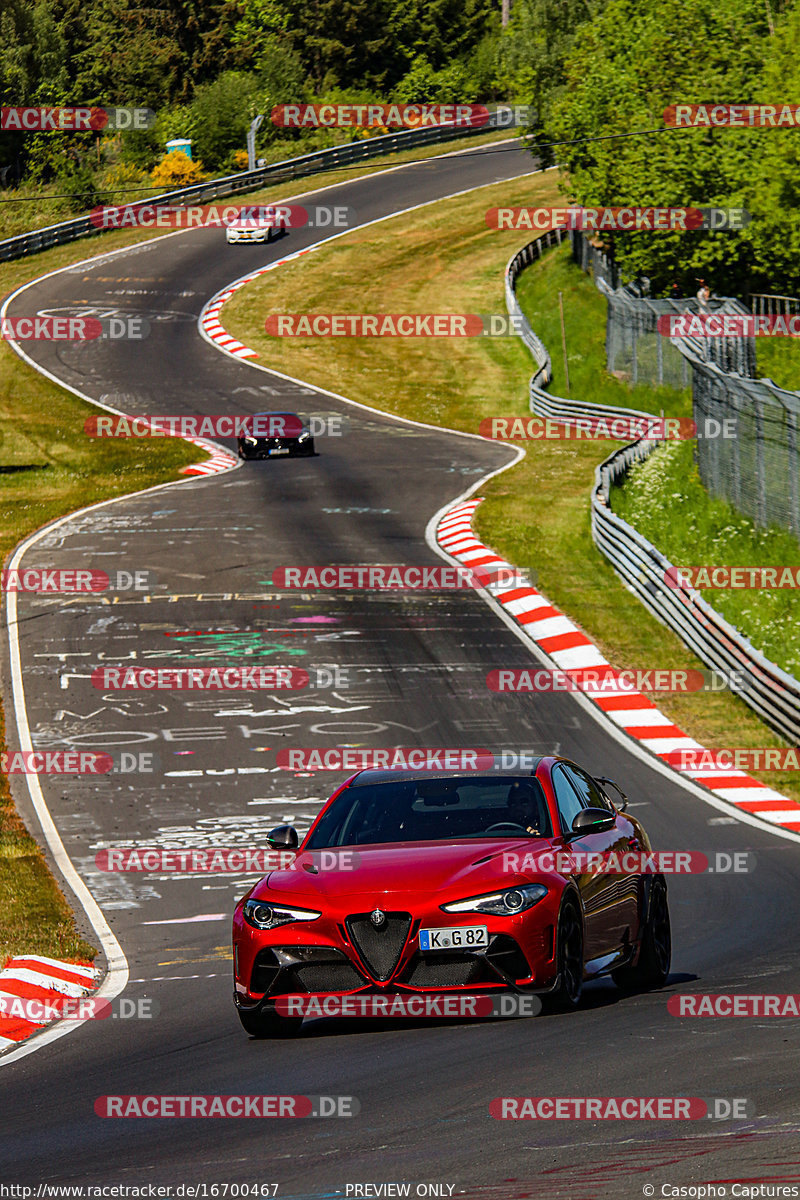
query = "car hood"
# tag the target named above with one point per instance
(411, 867)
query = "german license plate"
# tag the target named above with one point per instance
(466, 937)
(282, 450)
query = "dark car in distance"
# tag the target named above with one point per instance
(275, 434)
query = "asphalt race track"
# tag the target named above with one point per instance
(417, 665)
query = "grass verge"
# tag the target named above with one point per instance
(778, 359)
(712, 531)
(536, 515)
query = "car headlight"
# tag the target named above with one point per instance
(250, 438)
(501, 904)
(304, 436)
(262, 915)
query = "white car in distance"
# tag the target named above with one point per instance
(258, 226)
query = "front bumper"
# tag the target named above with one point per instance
(248, 235)
(265, 968)
(271, 447)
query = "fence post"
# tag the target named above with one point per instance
(794, 491)
(761, 483)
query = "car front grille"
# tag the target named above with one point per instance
(447, 970)
(329, 977)
(502, 961)
(283, 970)
(379, 948)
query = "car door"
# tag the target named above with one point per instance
(593, 887)
(619, 892)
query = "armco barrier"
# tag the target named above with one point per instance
(771, 692)
(247, 181)
(541, 402)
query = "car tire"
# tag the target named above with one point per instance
(569, 956)
(655, 954)
(266, 1023)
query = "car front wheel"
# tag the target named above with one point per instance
(655, 955)
(569, 948)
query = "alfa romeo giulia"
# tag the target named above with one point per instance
(412, 882)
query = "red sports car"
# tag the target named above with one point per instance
(411, 882)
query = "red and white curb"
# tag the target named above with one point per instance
(219, 461)
(570, 648)
(210, 325)
(33, 977)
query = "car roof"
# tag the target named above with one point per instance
(371, 777)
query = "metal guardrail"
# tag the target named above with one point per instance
(540, 401)
(765, 304)
(246, 181)
(771, 692)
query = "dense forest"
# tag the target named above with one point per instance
(592, 69)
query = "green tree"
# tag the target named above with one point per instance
(220, 116)
(625, 68)
(774, 168)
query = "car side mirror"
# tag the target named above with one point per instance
(283, 837)
(617, 788)
(593, 820)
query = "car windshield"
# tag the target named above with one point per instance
(276, 424)
(434, 810)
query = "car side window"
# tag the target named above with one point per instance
(587, 789)
(568, 801)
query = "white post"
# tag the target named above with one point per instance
(255, 125)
